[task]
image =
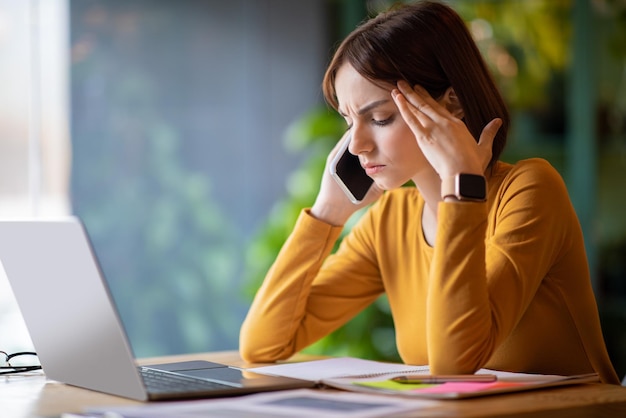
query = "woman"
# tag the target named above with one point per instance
(483, 262)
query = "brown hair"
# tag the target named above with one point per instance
(425, 43)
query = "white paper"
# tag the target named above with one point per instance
(318, 370)
(301, 403)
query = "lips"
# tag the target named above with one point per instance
(372, 168)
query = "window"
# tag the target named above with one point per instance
(34, 127)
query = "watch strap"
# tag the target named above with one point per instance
(448, 187)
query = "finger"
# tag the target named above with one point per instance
(422, 100)
(485, 142)
(409, 113)
(489, 133)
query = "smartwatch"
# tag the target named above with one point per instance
(465, 187)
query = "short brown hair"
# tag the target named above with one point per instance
(425, 43)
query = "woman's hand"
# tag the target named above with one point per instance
(332, 205)
(443, 138)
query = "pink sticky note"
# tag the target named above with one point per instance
(465, 387)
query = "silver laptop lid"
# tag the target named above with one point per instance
(67, 306)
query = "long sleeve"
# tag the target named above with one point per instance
(509, 284)
(307, 294)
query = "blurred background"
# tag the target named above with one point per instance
(188, 135)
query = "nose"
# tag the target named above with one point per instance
(361, 142)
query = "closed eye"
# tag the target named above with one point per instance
(382, 122)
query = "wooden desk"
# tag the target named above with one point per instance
(33, 396)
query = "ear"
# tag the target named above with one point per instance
(451, 102)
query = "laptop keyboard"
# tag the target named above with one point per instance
(157, 381)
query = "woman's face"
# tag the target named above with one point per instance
(385, 145)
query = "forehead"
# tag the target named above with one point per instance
(354, 91)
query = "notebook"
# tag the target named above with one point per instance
(367, 376)
(76, 329)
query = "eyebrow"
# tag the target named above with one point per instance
(367, 107)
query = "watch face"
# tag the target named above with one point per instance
(472, 186)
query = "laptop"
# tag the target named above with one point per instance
(76, 329)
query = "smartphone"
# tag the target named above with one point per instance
(346, 169)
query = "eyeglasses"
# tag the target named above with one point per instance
(11, 369)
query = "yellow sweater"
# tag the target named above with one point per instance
(506, 285)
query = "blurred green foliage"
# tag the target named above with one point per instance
(314, 134)
(525, 43)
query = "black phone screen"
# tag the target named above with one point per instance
(352, 175)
